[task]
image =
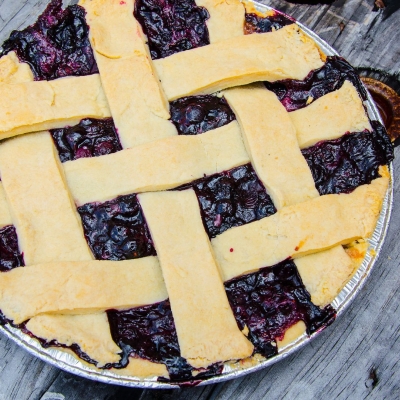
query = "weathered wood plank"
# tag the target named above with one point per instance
(336, 364)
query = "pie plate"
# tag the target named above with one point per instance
(71, 364)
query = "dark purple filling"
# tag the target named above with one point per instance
(341, 165)
(172, 26)
(256, 24)
(149, 332)
(231, 198)
(90, 138)
(10, 256)
(293, 94)
(56, 45)
(199, 114)
(272, 300)
(116, 230)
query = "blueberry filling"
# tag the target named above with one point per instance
(295, 94)
(116, 230)
(272, 300)
(90, 138)
(149, 332)
(172, 26)
(231, 198)
(199, 114)
(10, 256)
(341, 165)
(57, 45)
(257, 24)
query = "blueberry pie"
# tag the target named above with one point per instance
(185, 184)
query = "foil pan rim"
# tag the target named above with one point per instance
(69, 363)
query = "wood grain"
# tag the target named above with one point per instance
(358, 356)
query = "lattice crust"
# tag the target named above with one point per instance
(141, 114)
(12, 71)
(191, 73)
(180, 159)
(330, 116)
(226, 19)
(282, 169)
(69, 287)
(333, 268)
(78, 329)
(36, 190)
(207, 330)
(271, 128)
(43, 213)
(5, 216)
(35, 106)
(296, 231)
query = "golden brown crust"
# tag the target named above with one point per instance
(330, 116)
(286, 53)
(90, 332)
(5, 216)
(292, 334)
(226, 18)
(137, 102)
(296, 231)
(324, 274)
(35, 106)
(43, 213)
(13, 71)
(68, 288)
(205, 325)
(271, 142)
(155, 166)
(141, 369)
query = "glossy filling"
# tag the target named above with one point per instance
(294, 94)
(90, 138)
(257, 24)
(198, 114)
(341, 165)
(116, 230)
(57, 45)
(172, 26)
(10, 256)
(231, 198)
(272, 300)
(267, 302)
(149, 332)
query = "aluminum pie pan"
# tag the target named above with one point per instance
(69, 363)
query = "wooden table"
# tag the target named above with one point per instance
(358, 356)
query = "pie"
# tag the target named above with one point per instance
(185, 186)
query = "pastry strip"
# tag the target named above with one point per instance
(154, 166)
(330, 116)
(44, 216)
(67, 287)
(90, 332)
(141, 368)
(300, 229)
(270, 139)
(137, 102)
(35, 106)
(286, 53)
(5, 216)
(324, 274)
(14, 71)
(206, 328)
(226, 18)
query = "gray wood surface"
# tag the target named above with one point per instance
(358, 356)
